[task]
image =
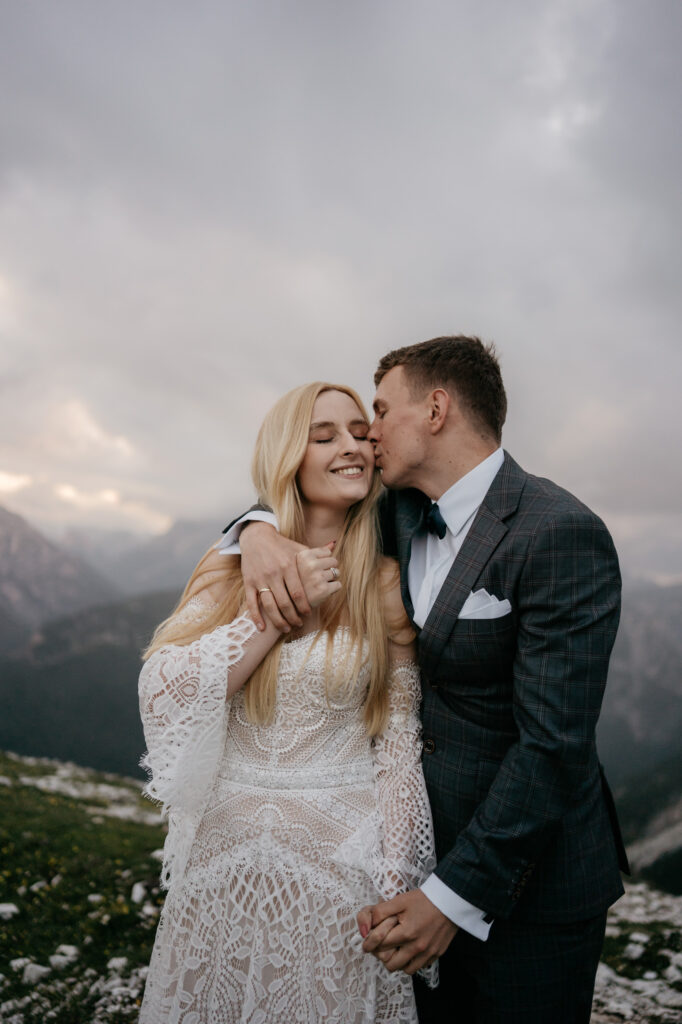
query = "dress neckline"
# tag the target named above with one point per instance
(313, 632)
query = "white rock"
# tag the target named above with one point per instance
(669, 998)
(4, 781)
(95, 897)
(64, 956)
(117, 963)
(37, 886)
(56, 880)
(649, 975)
(19, 963)
(640, 937)
(72, 952)
(139, 892)
(33, 973)
(8, 910)
(633, 951)
(157, 854)
(57, 961)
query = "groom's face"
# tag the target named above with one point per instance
(399, 431)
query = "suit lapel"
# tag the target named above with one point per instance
(485, 533)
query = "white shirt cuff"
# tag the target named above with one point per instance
(229, 542)
(465, 915)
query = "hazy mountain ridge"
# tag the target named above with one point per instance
(641, 720)
(71, 691)
(127, 624)
(40, 580)
(163, 562)
(650, 812)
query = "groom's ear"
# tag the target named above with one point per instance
(439, 403)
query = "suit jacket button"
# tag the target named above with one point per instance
(429, 746)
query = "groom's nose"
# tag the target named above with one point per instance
(372, 433)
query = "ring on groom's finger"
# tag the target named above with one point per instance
(335, 574)
(264, 590)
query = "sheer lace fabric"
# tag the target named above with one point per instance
(300, 823)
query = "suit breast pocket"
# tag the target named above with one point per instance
(501, 628)
(484, 649)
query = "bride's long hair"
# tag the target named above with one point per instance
(280, 449)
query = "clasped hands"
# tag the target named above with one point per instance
(287, 579)
(407, 932)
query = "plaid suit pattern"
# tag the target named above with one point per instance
(521, 809)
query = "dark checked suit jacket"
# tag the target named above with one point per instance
(523, 817)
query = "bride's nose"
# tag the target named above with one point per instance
(350, 445)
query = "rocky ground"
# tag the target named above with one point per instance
(640, 977)
(78, 912)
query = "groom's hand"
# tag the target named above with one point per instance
(271, 577)
(407, 932)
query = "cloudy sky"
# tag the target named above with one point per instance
(204, 204)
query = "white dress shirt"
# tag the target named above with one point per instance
(430, 560)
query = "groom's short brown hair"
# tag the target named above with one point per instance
(463, 364)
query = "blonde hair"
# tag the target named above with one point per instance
(280, 448)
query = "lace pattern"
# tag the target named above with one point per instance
(304, 822)
(184, 709)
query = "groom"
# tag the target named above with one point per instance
(514, 589)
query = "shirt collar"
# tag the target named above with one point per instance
(460, 501)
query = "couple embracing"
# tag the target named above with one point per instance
(451, 603)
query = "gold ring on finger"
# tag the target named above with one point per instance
(264, 590)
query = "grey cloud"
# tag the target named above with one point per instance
(201, 206)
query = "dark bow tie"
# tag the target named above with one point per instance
(434, 522)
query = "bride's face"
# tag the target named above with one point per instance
(338, 465)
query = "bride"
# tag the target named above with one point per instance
(288, 765)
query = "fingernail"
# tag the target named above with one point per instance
(364, 930)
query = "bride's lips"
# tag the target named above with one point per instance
(349, 471)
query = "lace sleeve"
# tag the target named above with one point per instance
(408, 846)
(184, 708)
(409, 854)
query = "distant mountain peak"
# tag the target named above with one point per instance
(39, 580)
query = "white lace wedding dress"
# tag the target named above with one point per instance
(278, 834)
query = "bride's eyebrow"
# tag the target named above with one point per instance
(326, 424)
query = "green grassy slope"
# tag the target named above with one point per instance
(70, 872)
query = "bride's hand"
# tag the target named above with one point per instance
(319, 574)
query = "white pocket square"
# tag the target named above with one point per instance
(482, 605)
